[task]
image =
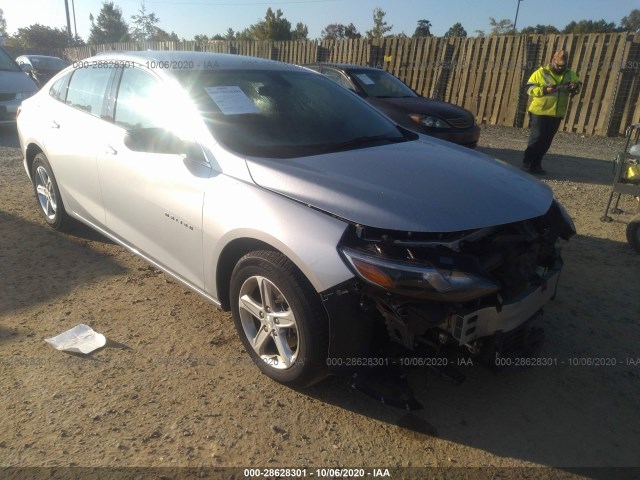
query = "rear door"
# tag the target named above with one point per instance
(74, 126)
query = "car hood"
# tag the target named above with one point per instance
(421, 105)
(16, 82)
(420, 186)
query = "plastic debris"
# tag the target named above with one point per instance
(81, 338)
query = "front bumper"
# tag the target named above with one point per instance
(469, 326)
(467, 137)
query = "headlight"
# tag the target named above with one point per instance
(422, 280)
(429, 121)
(24, 95)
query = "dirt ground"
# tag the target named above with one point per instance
(174, 388)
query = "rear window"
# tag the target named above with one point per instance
(87, 89)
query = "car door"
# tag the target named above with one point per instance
(73, 123)
(153, 201)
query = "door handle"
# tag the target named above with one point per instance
(54, 124)
(109, 150)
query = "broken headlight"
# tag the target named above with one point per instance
(426, 280)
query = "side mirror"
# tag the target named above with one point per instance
(160, 140)
(26, 68)
(154, 140)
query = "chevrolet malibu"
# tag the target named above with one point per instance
(280, 196)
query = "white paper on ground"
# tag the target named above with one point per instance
(81, 338)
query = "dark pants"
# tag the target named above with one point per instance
(543, 129)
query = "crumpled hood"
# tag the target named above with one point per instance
(420, 186)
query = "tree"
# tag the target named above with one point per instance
(3, 24)
(109, 27)
(301, 32)
(480, 33)
(201, 38)
(338, 31)
(230, 34)
(423, 29)
(380, 26)
(500, 27)
(162, 36)
(245, 35)
(630, 23)
(144, 25)
(273, 27)
(456, 30)
(39, 37)
(590, 26)
(540, 29)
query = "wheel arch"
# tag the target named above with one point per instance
(30, 154)
(229, 257)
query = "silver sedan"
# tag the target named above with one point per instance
(278, 195)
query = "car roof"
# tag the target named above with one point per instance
(201, 60)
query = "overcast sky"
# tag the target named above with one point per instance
(191, 17)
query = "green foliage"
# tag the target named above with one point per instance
(380, 26)
(40, 37)
(3, 24)
(109, 27)
(144, 25)
(631, 23)
(456, 30)
(162, 36)
(273, 27)
(540, 29)
(423, 29)
(301, 32)
(501, 27)
(338, 31)
(590, 26)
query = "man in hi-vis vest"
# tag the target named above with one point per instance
(550, 87)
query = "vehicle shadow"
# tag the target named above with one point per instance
(561, 167)
(577, 409)
(38, 264)
(9, 137)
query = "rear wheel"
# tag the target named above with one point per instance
(279, 318)
(48, 194)
(633, 233)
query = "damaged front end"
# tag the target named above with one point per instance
(480, 290)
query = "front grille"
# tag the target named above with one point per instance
(460, 122)
(7, 97)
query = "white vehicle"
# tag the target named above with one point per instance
(281, 196)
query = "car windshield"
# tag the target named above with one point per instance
(283, 114)
(7, 63)
(47, 63)
(380, 84)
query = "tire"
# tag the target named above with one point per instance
(286, 335)
(633, 233)
(47, 194)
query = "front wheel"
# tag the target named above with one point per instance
(633, 233)
(48, 194)
(279, 318)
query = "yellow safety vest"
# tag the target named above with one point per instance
(552, 104)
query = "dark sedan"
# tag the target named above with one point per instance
(391, 96)
(42, 67)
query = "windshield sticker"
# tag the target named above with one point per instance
(365, 79)
(231, 100)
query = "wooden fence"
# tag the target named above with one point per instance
(485, 75)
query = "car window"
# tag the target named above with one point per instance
(380, 84)
(7, 63)
(337, 77)
(285, 113)
(137, 102)
(87, 89)
(58, 89)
